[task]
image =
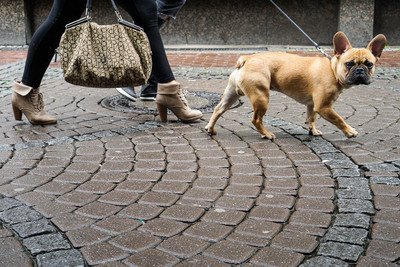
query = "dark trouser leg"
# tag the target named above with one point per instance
(153, 79)
(167, 8)
(144, 13)
(47, 37)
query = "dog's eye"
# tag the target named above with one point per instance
(369, 65)
(349, 64)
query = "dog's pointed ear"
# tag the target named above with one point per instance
(340, 43)
(377, 44)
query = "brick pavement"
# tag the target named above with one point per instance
(121, 189)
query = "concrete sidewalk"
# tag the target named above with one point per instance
(111, 188)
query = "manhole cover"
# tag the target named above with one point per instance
(203, 101)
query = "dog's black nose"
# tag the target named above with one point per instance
(359, 70)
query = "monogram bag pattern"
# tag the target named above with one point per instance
(105, 55)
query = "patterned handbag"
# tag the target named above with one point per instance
(105, 56)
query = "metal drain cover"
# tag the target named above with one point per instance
(203, 101)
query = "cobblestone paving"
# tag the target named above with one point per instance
(104, 187)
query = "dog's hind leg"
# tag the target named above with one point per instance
(260, 106)
(311, 116)
(229, 97)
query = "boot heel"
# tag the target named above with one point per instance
(169, 95)
(17, 113)
(162, 111)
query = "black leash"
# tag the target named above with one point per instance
(305, 34)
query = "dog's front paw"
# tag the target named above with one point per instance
(210, 130)
(350, 132)
(314, 132)
(269, 136)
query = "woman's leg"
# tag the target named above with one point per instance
(26, 98)
(144, 13)
(47, 37)
(169, 94)
(165, 9)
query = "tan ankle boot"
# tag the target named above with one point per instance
(170, 96)
(29, 101)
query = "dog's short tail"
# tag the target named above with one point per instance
(241, 61)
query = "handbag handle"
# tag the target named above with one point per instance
(88, 18)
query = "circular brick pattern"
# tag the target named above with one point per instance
(125, 188)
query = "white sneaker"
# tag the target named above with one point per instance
(128, 92)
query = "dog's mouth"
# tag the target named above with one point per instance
(358, 76)
(358, 80)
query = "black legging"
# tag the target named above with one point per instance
(47, 37)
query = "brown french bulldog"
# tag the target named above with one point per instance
(315, 82)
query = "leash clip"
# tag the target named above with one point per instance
(323, 52)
